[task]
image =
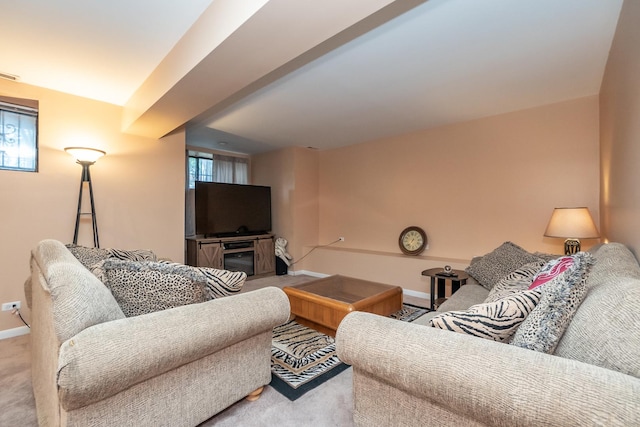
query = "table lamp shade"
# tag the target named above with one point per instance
(573, 223)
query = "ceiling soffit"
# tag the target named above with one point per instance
(263, 43)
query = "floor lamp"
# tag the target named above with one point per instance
(86, 157)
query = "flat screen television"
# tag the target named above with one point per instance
(225, 210)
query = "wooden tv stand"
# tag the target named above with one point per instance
(253, 254)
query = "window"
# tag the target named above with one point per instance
(18, 135)
(217, 168)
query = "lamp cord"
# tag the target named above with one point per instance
(313, 249)
(16, 311)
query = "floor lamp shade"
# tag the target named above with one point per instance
(86, 157)
(572, 224)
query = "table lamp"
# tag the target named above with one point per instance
(572, 224)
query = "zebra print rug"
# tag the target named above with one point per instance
(303, 358)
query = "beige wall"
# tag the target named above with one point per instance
(620, 133)
(471, 186)
(138, 186)
(306, 202)
(292, 174)
(276, 170)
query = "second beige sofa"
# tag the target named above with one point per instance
(410, 374)
(92, 366)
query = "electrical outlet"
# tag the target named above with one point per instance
(8, 306)
(341, 239)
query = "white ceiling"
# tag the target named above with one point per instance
(442, 62)
(102, 50)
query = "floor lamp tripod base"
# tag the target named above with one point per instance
(86, 177)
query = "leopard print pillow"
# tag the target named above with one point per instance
(88, 256)
(495, 265)
(561, 296)
(91, 256)
(142, 287)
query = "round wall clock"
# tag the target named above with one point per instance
(413, 240)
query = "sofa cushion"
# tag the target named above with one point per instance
(515, 282)
(495, 320)
(561, 297)
(79, 300)
(468, 295)
(605, 331)
(142, 287)
(492, 267)
(219, 283)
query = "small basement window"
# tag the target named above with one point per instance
(216, 168)
(18, 134)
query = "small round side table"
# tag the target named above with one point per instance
(438, 275)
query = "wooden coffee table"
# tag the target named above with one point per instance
(322, 304)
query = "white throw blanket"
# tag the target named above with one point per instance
(281, 250)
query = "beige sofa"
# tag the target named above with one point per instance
(410, 374)
(92, 366)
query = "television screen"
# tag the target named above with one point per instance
(232, 209)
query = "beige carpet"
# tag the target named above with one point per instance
(18, 406)
(16, 396)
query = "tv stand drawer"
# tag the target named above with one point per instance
(228, 246)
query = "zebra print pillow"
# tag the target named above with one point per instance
(132, 255)
(515, 282)
(222, 283)
(496, 321)
(219, 283)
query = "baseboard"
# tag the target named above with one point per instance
(416, 294)
(307, 273)
(15, 332)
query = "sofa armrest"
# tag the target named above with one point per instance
(492, 383)
(104, 359)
